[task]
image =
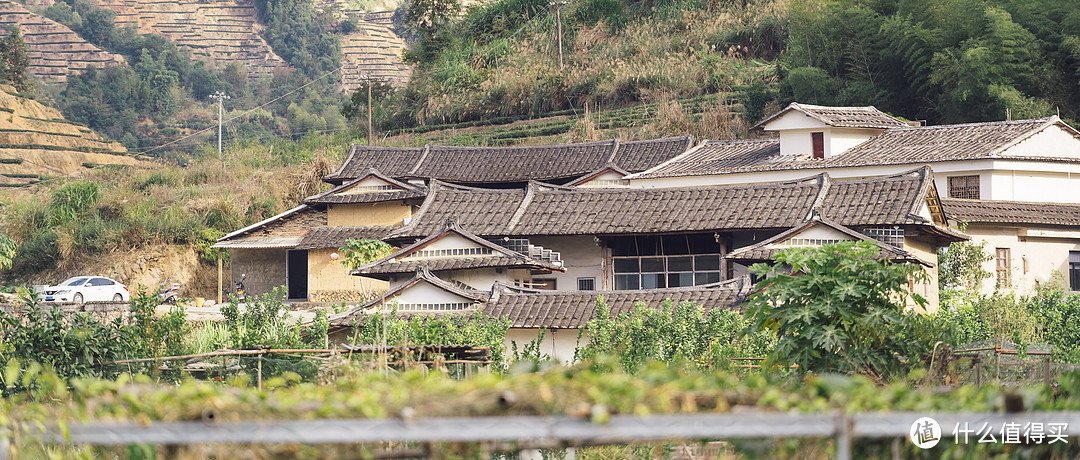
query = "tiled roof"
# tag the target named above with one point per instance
(1011, 212)
(508, 164)
(841, 117)
(335, 237)
(527, 308)
(896, 146)
(641, 155)
(336, 195)
(894, 200)
(767, 249)
(399, 262)
(549, 210)
(392, 161)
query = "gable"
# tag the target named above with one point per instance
(371, 184)
(1054, 141)
(607, 178)
(449, 244)
(793, 119)
(423, 292)
(816, 235)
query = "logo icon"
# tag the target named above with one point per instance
(925, 433)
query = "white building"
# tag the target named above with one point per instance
(1008, 165)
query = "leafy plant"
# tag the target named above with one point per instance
(960, 266)
(364, 251)
(838, 308)
(7, 251)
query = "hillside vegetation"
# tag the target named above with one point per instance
(953, 61)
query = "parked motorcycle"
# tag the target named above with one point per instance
(167, 292)
(241, 292)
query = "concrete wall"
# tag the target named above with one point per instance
(1044, 256)
(483, 278)
(330, 281)
(451, 241)
(265, 269)
(1054, 141)
(361, 214)
(582, 258)
(558, 343)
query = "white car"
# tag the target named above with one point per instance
(82, 289)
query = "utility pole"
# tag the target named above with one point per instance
(558, 25)
(220, 96)
(368, 80)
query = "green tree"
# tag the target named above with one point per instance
(838, 308)
(960, 266)
(15, 60)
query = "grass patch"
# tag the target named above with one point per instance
(11, 161)
(20, 176)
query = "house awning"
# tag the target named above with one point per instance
(264, 242)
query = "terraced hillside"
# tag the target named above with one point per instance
(36, 142)
(373, 50)
(55, 51)
(222, 32)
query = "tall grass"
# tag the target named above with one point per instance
(63, 222)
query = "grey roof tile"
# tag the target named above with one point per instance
(1011, 212)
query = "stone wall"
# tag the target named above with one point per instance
(103, 311)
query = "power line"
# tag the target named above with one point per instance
(245, 113)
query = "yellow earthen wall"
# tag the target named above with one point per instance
(328, 281)
(361, 214)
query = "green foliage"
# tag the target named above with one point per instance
(477, 329)
(300, 35)
(960, 266)
(364, 251)
(264, 324)
(7, 251)
(964, 60)
(675, 334)
(837, 308)
(80, 345)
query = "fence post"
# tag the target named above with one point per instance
(1046, 370)
(978, 371)
(843, 437)
(260, 371)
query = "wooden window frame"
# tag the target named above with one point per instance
(1003, 267)
(965, 187)
(817, 144)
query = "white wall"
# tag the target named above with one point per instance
(1045, 256)
(480, 278)
(558, 343)
(1054, 141)
(424, 292)
(451, 241)
(581, 257)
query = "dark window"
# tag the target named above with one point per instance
(1074, 270)
(818, 139)
(649, 262)
(586, 284)
(964, 187)
(99, 282)
(1004, 267)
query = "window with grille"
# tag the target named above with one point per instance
(893, 236)
(1074, 270)
(434, 306)
(1004, 267)
(449, 252)
(964, 187)
(651, 262)
(586, 284)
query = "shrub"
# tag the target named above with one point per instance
(837, 308)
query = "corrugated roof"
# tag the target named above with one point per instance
(1011, 212)
(527, 308)
(259, 242)
(895, 146)
(508, 164)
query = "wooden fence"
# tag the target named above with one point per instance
(531, 432)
